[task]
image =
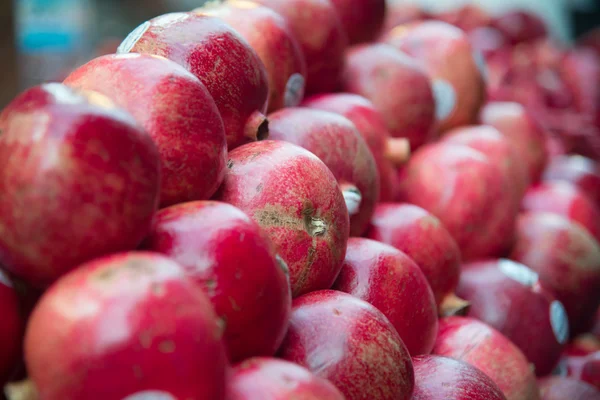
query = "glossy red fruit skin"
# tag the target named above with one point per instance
(392, 282)
(176, 110)
(227, 253)
(567, 259)
(270, 36)
(262, 378)
(560, 388)
(564, 198)
(336, 141)
(485, 348)
(319, 31)
(351, 343)
(371, 126)
(439, 377)
(462, 187)
(79, 179)
(581, 171)
(150, 328)
(383, 75)
(239, 86)
(422, 236)
(585, 368)
(446, 53)
(12, 328)
(295, 198)
(362, 19)
(503, 294)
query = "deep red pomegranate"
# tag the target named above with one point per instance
(389, 152)
(336, 141)
(579, 170)
(567, 259)
(423, 238)
(352, 344)
(382, 74)
(263, 378)
(503, 294)
(270, 36)
(560, 388)
(79, 179)
(485, 348)
(123, 324)
(319, 31)
(248, 287)
(175, 109)
(12, 328)
(439, 377)
(239, 86)
(295, 198)
(362, 19)
(392, 282)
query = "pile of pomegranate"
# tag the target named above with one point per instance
(307, 199)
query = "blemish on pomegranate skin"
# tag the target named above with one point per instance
(166, 347)
(337, 312)
(229, 164)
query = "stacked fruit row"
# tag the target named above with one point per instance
(316, 199)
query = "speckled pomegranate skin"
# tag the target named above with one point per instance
(505, 303)
(12, 328)
(319, 31)
(560, 388)
(351, 343)
(270, 36)
(384, 75)
(295, 198)
(392, 282)
(79, 180)
(567, 259)
(263, 378)
(122, 324)
(423, 238)
(219, 56)
(526, 135)
(177, 112)
(362, 19)
(480, 345)
(439, 378)
(463, 188)
(227, 253)
(336, 141)
(371, 126)
(444, 50)
(581, 171)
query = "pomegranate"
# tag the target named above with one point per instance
(467, 17)
(269, 35)
(423, 238)
(462, 187)
(263, 378)
(560, 388)
(110, 325)
(320, 33)
(580, 69)
(248, 287)
(392, 282)
(294, 197)
(388, 152)
(382, 74)
(439, 377)
(503, 294)
(351, 343)
(517, 124)
(79, 179)
(12, 327)
(482, 346)
(567, 259)
(336, 141)
(362, 19)
(581, 171)
(583, 345)
(584, 367)
(399, 13)
(520, 26)
(175, 109)
(456, 69)
(239, 85)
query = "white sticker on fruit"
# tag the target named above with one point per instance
(132, 38)
(353, 199)
(559, 322)
(518, 272)
(481, 64)
(150, 395)
(294, 90)
(445, 98)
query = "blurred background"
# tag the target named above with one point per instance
(43, 40)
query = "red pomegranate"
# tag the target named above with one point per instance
(581, 171)
(362, 19)
(560, 388)
(520, 26)
(12, 328)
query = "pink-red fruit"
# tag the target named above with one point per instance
(362, 19)
(581, 171)
(560, 388)
(79, 179)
